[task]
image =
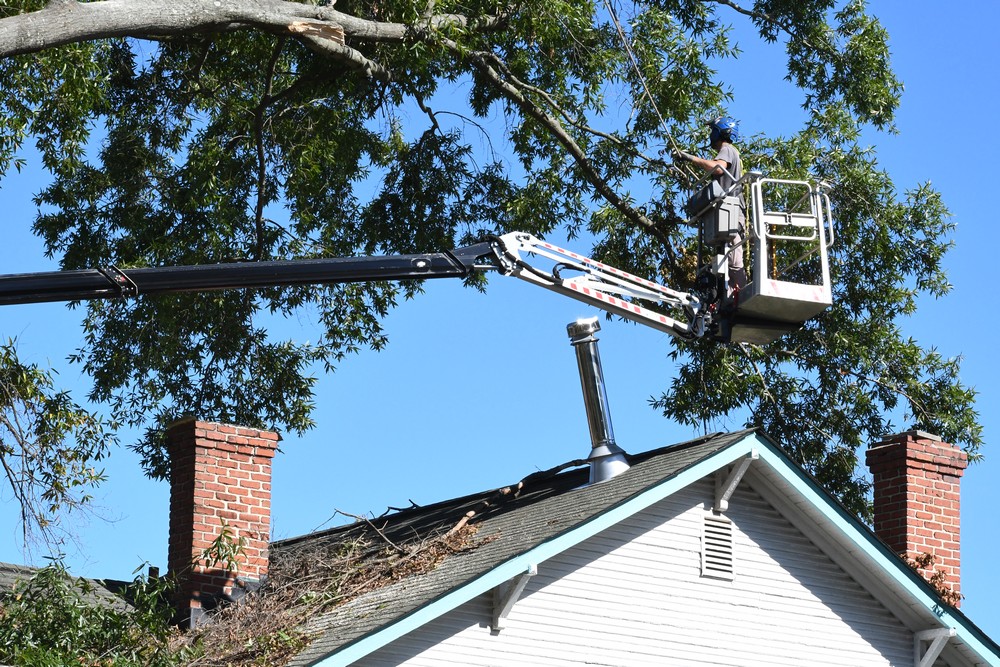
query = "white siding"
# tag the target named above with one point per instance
(634, 595)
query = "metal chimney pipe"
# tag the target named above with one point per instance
(606, 458)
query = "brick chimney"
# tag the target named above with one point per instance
(916, 478)
(220, 476)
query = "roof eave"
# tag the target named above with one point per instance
(856, 549)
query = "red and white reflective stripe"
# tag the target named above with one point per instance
(628, 281)
(786, 290)
(625, 306)
(602, 266)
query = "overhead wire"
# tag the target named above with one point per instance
(634, 61)
(666, 133)
(647, 93)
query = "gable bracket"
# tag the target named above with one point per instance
(506, 595)
(724, 489)
(938, 637)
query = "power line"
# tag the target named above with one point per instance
(638, 71)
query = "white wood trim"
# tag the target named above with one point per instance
(506, 595)
(724, 489)
(937, 637)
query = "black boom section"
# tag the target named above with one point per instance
(112, 282)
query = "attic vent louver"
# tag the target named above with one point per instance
(717, 547)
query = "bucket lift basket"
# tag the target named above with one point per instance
(791, 232)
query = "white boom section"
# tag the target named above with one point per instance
(600, 285)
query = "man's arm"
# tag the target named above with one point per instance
(717, 167)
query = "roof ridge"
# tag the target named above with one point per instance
(567, 472)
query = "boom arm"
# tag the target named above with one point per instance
(600, 285)
(594, 283)
(113, 282)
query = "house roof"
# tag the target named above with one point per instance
(11, 574)
(102, 591)
(520, 526)
(510, 522)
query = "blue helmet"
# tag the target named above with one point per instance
(724, 128)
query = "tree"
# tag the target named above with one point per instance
(51, 619)
(50, 447)
(174, 131)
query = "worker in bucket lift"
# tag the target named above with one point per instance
(727, 168)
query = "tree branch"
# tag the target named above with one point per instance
(371, 525)
(70, 22)
(344, 54)
(767, 18)
(259, 122)
(765, 388)
(422, 104)
(484, 62)
(769, 395)
(570, 120)
(817, 363)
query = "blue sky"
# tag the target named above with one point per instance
(476, 391)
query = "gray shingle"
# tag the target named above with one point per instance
(101, 591)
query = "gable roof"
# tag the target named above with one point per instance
(521, 526)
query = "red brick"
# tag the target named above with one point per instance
(219, 473)
(926, 473)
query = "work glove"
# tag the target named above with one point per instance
(678, 155)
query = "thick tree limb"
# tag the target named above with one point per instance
(351, 58)
(322, 29)
(70, 22)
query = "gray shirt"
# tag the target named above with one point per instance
(731, 157)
